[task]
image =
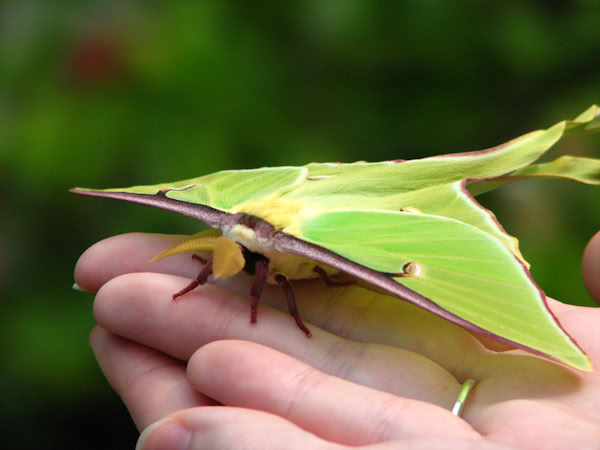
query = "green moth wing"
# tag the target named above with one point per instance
(475, 277)
(410, 228)
(584, 170)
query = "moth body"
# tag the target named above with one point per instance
(291, 266)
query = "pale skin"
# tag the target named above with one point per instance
(377, 373)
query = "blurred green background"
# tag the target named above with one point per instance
(113, 93)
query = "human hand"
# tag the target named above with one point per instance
(378, 371)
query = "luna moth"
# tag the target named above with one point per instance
(410, 229)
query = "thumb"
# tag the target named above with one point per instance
(590, 267)
(225, 427)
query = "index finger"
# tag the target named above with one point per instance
(350, 312)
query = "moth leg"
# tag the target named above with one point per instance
(291, 300)
(261, 270)
(327, 279)
(202, 277)
(201, 259)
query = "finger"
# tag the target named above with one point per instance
(126, 253)
(558, 307)
(220, 427)
(590, 267)
(138, 307)
(226, 427)
(350, 312)
(151, 384)
(583, 324)
(249, 375)
(362, 315)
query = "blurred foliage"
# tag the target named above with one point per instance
(112, 93)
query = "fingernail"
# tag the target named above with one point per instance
(76, 287)
(163, 434)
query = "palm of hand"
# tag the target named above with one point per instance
(377, 370)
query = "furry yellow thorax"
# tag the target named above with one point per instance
(280, 213)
